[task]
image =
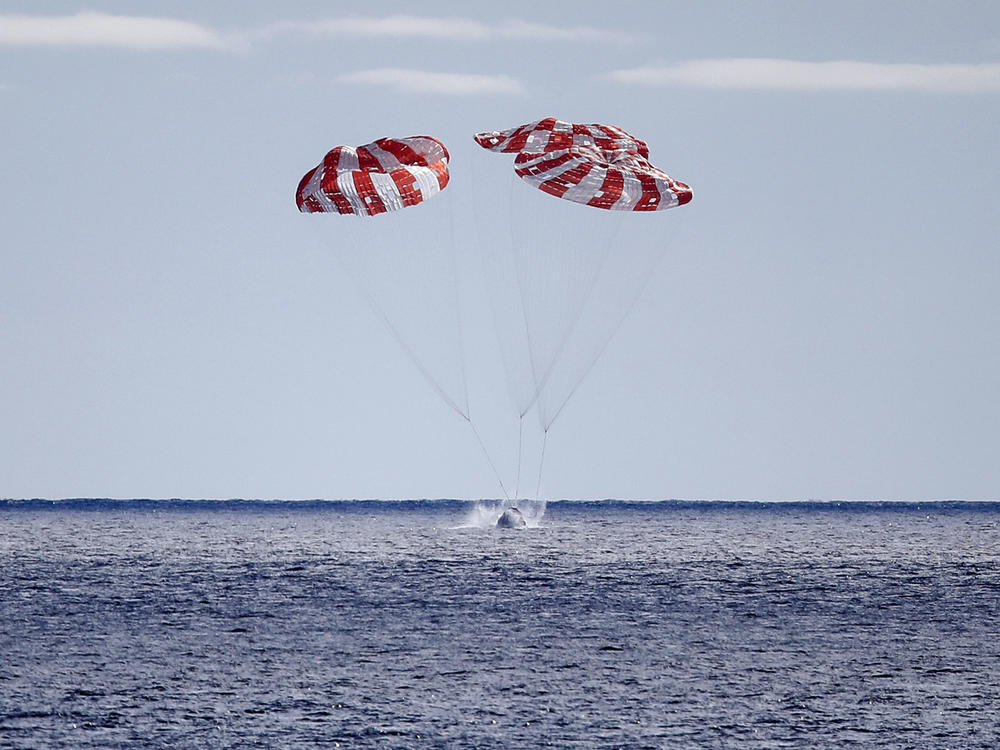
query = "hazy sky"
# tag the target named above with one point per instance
(824, 322)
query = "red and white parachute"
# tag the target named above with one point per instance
(387, 175)
(405, 262)
(600, 165)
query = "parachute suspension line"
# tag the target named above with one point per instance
(461, 348)
(541, 463)
(519, 274)
(489, 459)
(603, 242)
(520, 439)
(407, 349)
(576, 315)
(597, 355)
(453, 258)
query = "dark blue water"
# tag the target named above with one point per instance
(397, 625)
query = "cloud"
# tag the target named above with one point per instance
(89, 29)
(794, 75)
(524, 30)
(398, 26)
(446, 29)
(93, 29)
(423, 82)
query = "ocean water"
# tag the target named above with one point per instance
(181, 624)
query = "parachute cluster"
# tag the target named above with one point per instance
(599, 165)
(557, 291)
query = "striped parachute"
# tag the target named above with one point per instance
(403, 263)
(599, 165)
(562, 277)
(387, 175)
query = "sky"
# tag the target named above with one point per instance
(823, 322)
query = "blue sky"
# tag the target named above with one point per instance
(823, 323)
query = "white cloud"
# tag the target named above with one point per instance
(515, 29)
(794, 75)
(93, 29)
(89, 29)
(446, 29)
(456, 29)
(423, 82)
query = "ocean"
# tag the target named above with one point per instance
(415, 624)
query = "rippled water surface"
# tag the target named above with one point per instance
(405, 625)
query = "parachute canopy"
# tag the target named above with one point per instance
(598, 165)
(387, 175)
